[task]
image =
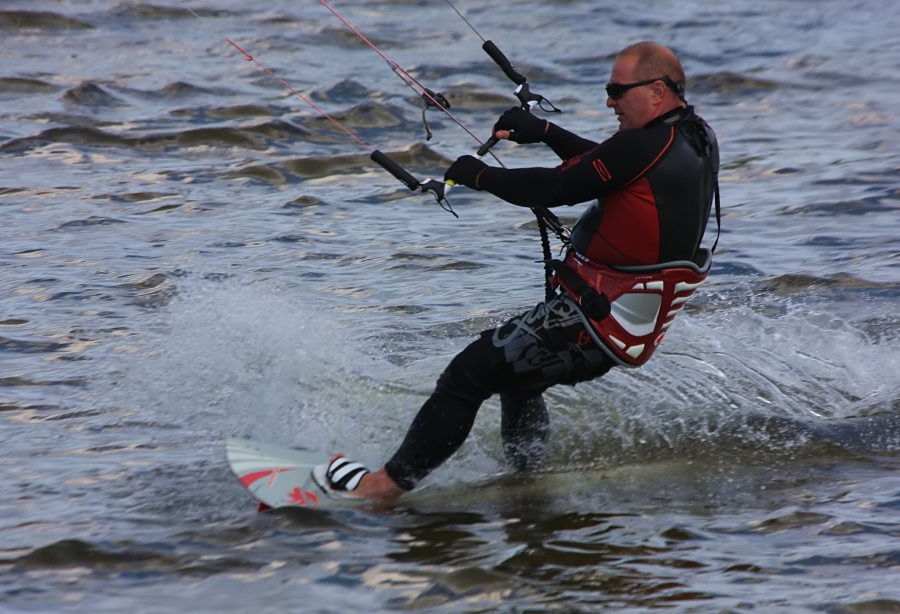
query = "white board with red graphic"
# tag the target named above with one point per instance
(278, 476)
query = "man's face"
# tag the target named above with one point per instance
(640, 104)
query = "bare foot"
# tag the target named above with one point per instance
(378, 487)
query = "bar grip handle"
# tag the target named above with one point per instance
(505, 65)
(487, 146)
(396, 170)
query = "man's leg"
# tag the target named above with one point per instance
(446, 418)
(525, 427)
(531, 352)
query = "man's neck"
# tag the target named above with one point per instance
(674, 113)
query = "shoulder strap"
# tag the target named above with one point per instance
(707, 149)
(718, 213)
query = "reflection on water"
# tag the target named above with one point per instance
(192, 253)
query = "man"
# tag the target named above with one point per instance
(633, 260)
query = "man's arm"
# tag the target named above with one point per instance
(608, 167)
(566, 144)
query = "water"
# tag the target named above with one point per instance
(191, 253)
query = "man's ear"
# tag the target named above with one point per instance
(659, 90)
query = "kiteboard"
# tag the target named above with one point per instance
(279, 476)
(282, 477)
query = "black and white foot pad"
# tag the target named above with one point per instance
(340, 476)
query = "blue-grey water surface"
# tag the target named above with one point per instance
(190, 252)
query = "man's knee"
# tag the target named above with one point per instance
(474, 374)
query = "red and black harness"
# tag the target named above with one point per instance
(628, 309)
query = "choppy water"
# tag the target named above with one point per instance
(190, 253)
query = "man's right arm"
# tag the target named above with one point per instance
(566, 144)
(603, 169)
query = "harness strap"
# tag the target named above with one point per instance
(718, 214)
(628, 309)
(595, 305)
(706, 151)
(547, 219)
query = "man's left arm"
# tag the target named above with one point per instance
(609, 167)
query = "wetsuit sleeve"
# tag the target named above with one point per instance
(566, 144)
(606, 168)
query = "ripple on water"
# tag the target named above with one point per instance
(193, 253)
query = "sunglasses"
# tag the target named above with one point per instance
(616, 90)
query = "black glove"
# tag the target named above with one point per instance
(524, 127)
(465, 171)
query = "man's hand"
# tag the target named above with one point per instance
(520, 126)
(465, 171)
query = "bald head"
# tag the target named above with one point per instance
(647, 81)
(653, 60)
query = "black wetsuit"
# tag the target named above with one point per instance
(654, 188)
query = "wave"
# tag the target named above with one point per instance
(362, 118)
(730, 84)
(277, 173)
(259, 137)
(125, 557)
(143, 10)
(91, 95)
(11, 87)
(39, 20)
(27, 346)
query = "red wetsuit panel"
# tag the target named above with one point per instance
(628, 232)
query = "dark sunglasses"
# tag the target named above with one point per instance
(616, 90)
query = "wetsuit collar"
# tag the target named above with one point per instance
(673, 116)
